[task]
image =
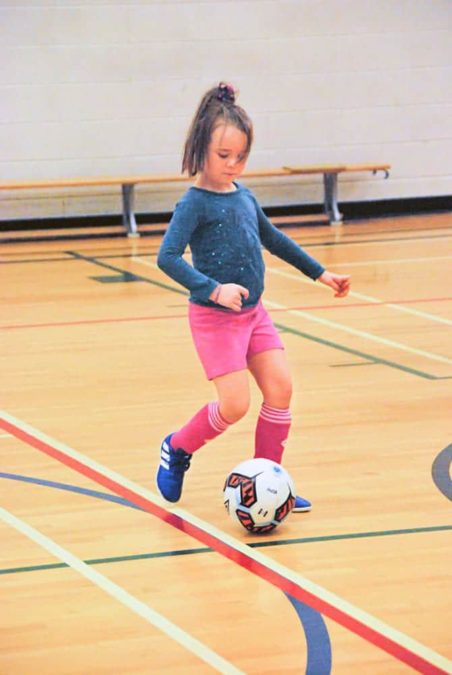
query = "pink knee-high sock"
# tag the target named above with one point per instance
(272, 430)
(204, 426)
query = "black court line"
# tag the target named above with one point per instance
(130, 275)
(367, 357)
(300, 240)
(205, 549)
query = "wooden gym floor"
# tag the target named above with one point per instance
(99, 576)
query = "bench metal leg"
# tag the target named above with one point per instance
(330, 198)
(128, 214)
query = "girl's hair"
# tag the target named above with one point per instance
(216, 106)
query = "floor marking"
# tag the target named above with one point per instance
(370, 359)
(306, 243)
(164, 317)
(107, 496)
(333, 324)
(366, 242)
(402, 308)
(207, 549)
(361, 623)
(315, 630)
(121, 595)
(395, 261)
(360, 333)
(319, 660)
(87, 322)
(367, 298)
(441, 472)
(136, 277)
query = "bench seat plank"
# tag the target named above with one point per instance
(330, 174)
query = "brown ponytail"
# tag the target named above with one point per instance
(217, 104)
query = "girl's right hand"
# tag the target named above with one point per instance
(230, 296)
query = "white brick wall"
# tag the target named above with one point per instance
(104, 87)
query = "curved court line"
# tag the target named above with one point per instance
(70, 488)
(359, 622)
(122, 596)
(319, 657)
(316, 632)
(441, 472)
(269, 543)
(192, 551)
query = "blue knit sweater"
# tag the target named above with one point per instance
(226, 232)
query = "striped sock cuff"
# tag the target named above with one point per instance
(275, 415)
(216, 421)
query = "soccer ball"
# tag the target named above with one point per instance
(259, 494)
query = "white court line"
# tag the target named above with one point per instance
(435, 662)
(121, 595)
(402, 308)
(360, 296)
(334, 324)
(359, 333)
(395, 261)
(383, 242)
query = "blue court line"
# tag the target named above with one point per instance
(319, 651)
(317, 639)
(441, 472)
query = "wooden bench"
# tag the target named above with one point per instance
(330, 189)
(330, 182)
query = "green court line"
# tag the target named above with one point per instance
(258, 544)
(351, 365)
(130, 275)
(355, 352)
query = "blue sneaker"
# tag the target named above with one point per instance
(170, 474)
(301, 505)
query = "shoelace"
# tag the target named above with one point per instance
(180, 461)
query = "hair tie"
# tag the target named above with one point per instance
(226, 93)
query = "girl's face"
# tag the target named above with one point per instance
(225, 160)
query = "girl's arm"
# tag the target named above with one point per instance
(285, 248)
(170, 257)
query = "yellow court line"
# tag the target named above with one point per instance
(121, 595)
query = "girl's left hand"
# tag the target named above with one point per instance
(340, 283)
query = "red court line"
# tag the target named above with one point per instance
(351, 623)
(351, 305)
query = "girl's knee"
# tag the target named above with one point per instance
(233, 410)
(279, 396)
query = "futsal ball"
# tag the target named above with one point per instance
(259, 494)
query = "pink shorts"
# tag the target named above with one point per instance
(225, 341)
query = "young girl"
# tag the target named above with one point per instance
(226, 228)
